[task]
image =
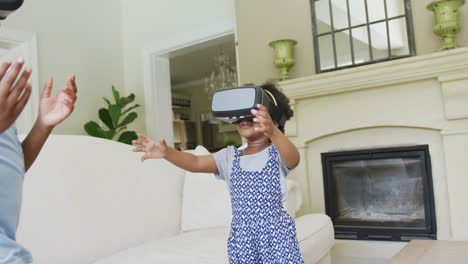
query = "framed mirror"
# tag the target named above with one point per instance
(349, 33)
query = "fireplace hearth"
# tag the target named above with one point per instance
(380, 194)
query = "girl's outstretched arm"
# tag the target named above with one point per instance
(160, 150)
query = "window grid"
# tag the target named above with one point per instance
(409, 30)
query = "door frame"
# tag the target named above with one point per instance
(157, 79)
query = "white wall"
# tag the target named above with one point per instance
(83, 37)
(148, 24)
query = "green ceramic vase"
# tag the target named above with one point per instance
(283, 56)
(446, 16)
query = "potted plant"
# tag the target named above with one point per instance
(116, 118)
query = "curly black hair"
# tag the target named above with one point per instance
(281, 99)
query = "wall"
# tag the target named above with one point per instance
(149, 24)
(81, 37)
(262, 21)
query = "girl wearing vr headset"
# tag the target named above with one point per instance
(261, 230)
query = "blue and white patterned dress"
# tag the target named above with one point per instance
(261, 230)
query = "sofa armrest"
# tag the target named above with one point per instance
(294, 202)
(91, 197)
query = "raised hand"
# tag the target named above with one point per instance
(264, 121)
(55, 109)
(153, 149)
(13, 100)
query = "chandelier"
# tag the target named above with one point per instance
(223, 76)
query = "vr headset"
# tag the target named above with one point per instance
(8, 6)
(234, 104)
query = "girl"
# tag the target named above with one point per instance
(261, 230)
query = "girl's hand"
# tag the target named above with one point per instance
(153, 149)
(263, 118)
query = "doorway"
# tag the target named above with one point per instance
(191, 74)
(189, 57)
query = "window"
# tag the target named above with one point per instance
(349, 33)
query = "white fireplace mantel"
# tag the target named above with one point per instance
(448, 65)
(410, 101)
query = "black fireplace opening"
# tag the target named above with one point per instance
(380, 194)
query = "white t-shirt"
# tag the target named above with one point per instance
(253, 162)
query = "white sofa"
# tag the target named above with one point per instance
(90, 200)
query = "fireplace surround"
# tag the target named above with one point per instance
(414, 101)
(380, 194)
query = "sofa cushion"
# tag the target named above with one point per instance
(207, 246)
(315, 236)
(88, 197)
(205, 201)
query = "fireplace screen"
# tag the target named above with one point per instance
(381, 194)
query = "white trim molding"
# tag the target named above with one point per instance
(156, 71)
(417, 68)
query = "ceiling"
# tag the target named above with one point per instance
(195, 65)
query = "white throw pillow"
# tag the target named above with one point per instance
(205, 201)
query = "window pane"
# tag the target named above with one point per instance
(360, 45)
(326, 52)
(322, 16)
(398, 37)
(343, 49)
(376, 10)
(364, 31)
(358, 12)
(340, 14)
(379, 40)
(395, 8)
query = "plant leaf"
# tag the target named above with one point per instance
(93, 129)
(114, 112)
(110, 134)
(126, 100)
(116, 95)
(106, 118)
(107, 101)
(131, 108)
(128, 119)
(127, 137)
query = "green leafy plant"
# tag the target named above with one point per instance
(111, 118)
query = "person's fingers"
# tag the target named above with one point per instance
(67, 93)
(10, 76)
(71, 83)
(23, 99)
(144, 157)
(145, 137)
(47, 88)
(3, 68)
(139, 150)
(19, 86)
(138, 142)
(262, 107)
(259, 112)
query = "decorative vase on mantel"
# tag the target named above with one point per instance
(446, 16)
(283, 56)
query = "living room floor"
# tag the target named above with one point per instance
(364, 252)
